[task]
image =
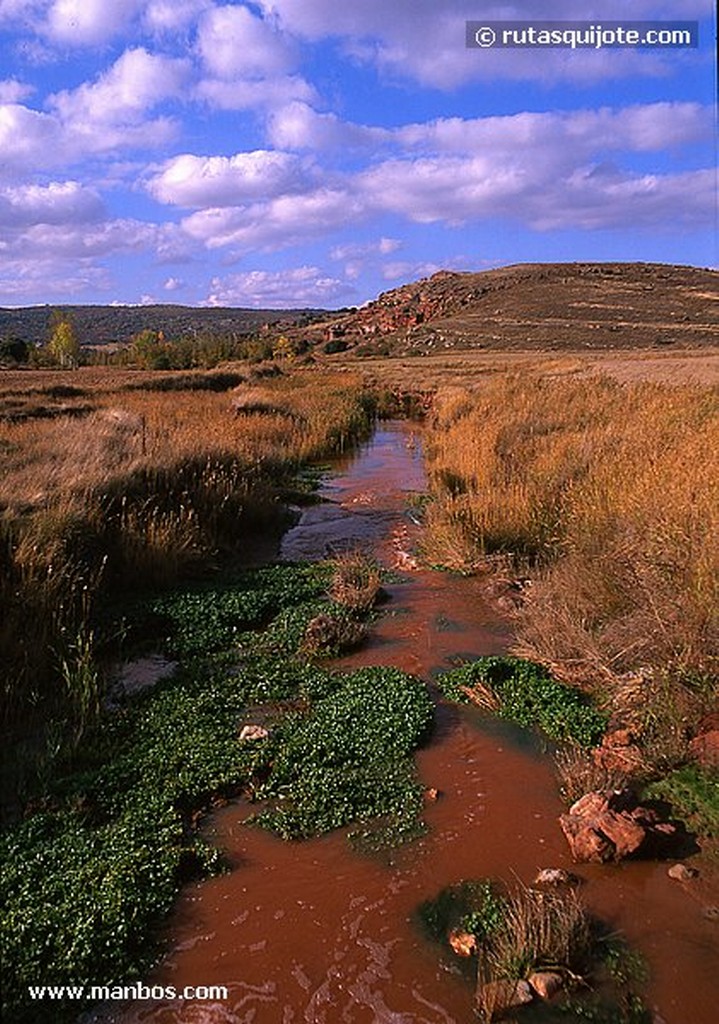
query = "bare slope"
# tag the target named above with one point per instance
(537, 306)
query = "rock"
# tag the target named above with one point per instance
(604, 827)
(498, 997)
(463, 943)
(682, 873)
(431, 794)
(704, 749)
(555, 876)
(546, 983)
(253, 732)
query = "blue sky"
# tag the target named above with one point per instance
(317, 152)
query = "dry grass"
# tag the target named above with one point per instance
(612, 493)
(578, 772)
(607, 495)
(138, 490)
(356, 581)
(539, 931)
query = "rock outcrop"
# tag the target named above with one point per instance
(605, 827)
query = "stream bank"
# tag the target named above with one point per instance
(317, 932)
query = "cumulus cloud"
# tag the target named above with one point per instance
(282, 289)
(23, 280)
(97, 117)
(233, 43)
(173, 284)
(89, 22)
(79, 241)
(545, 170)
(424, 40)
(216, 181)
(29, 138)
(65, 202)
(172, 15)
(135, 83)
(356, 250)
(255, 94)
(12, 91)
(298, 126)
(357, 255)
(284, 221)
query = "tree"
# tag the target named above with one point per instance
(14, 350)
(64, 347)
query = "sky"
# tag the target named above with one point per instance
(294, 153)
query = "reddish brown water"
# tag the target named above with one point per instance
(315, 933)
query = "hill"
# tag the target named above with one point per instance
(98, 325)
(535, 306)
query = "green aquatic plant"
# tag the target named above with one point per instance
(96, 864)
(526, 693)
(349, 759)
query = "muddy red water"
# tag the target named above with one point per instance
(315, 933)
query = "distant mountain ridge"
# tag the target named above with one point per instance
(99, 325)
(536, 306)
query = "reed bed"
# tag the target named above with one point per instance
(607, 496)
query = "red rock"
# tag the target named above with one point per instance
(253, 732)
(463, 943)
(704, 749)
(555, 876)
(682, 873)
(610, 826)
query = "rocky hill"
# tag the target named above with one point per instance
(535, 306)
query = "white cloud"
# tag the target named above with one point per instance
(172, 15)
(233, 43)
(22, 11)
(357, 255)
(407, 270)
(67, 203)
(12, 91)
(196, 181)
(24, 280)
(89, 22)
(424, 40)
(135, 83)
(298, 126)
(356, 250)
(282, 289)
(285, 221)
(29, 138)
(255, 94)
(173, 284)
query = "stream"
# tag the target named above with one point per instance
(316, 933)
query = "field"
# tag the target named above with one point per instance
(583, 486)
